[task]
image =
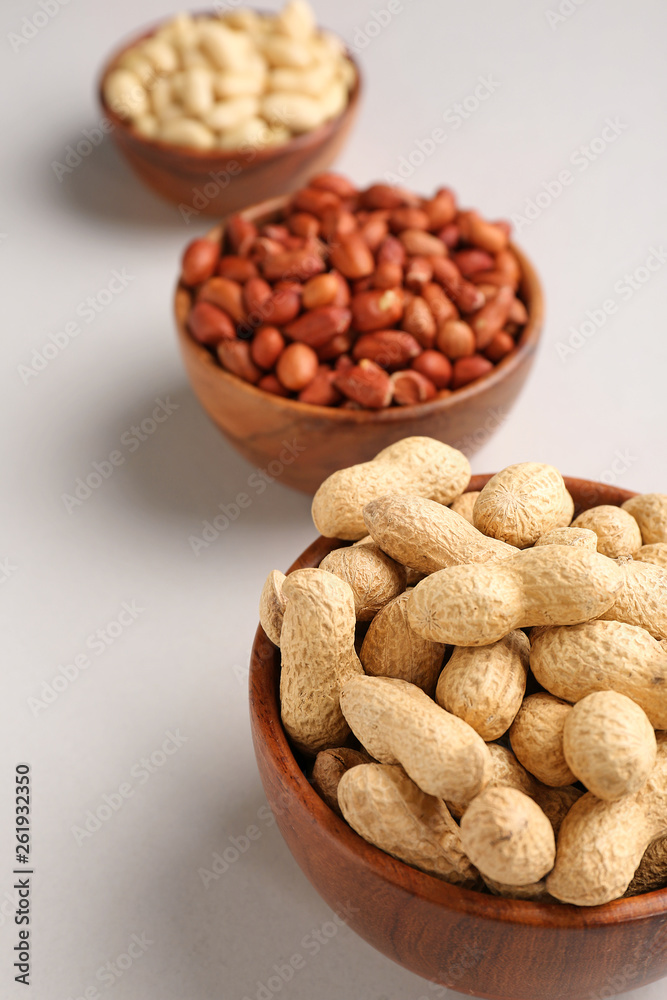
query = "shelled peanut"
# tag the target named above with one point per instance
(240, 80)
(358, 298)
(502, 714)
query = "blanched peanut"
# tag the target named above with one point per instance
(186, 132)
(197, 93)
(398, 724)
(537, 739)
(609, 745)
(227, 49)
(232, 113)
(244, 84)
(125, 94)
(296, 19)
(298, 112)
(617, 531)
(253, 132)
(473, 605)
(485, 685)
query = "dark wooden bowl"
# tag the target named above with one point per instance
(219, 182)
(259, 424)
(470, 942)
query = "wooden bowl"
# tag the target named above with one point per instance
(473, 943)
(260, 425)
(218, 182)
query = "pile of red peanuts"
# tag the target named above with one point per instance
(360, 299)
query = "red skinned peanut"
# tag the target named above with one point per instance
(435, 366)
(366, 384)
(297, 366)
(209, 325)
(235, 357)
(376, 309)
(267, 346)
(199, 262)
(468, 369)
(318, 326)
(391, 349)
(412, 387)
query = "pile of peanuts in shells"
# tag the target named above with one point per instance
(240, 79)
(358, 298)
(482, 680)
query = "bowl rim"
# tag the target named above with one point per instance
(221, 156)
(265, 713)
(526, 345)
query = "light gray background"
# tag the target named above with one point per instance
(181, 665)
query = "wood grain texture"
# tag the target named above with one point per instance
(473, 943)
(228, 180)
(260, 425)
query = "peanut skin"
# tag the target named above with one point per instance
(537, 739)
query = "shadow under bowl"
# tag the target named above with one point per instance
(472, 943)
(218, 182)
(263, 426)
